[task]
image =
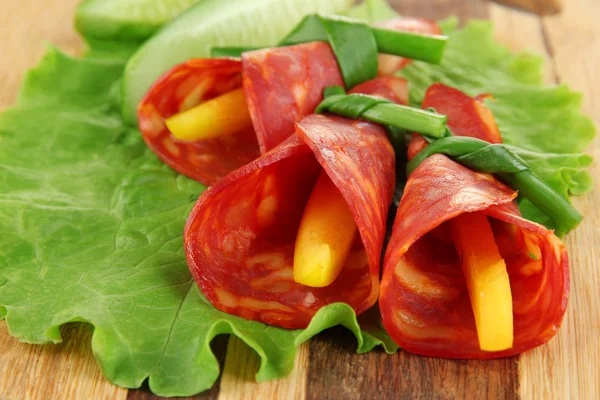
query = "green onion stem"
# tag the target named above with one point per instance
(428, 48)
(409, 118)
(384, 112)
(510, 168)
(355, 44)
(545, 198)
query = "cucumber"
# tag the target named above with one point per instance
(126, 19)
(214, 23)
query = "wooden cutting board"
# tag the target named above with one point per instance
(327, 367)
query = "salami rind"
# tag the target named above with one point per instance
(284, 84)
(240, 236)
(180, 89)
(424, 300)
(389, 64)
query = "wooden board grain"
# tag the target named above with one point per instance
(541, 7)
(569, 366)
(327, 367)
(63, 371)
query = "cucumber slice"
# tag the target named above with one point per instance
(214, 23)
(372, 11)
(126, 19)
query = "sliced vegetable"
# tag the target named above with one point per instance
(487, 280)
(416, 46)
(372, 11)
(208, 24)
(325, 236)
(224, 115)
(126, 19)
(384, 112)
(499, 159)
(388, 64)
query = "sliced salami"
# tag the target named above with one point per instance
(240, 236)
(467, 116)
(284, 84)
(388, 87)
(180, 89)
(424, 299)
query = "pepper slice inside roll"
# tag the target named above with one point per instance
(325, 236)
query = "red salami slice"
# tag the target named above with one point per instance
(284, 84)
(180, 89)
(388, 87)
(240, 237)
(424, 300)
(388, 64)
(467, 116)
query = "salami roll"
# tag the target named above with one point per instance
(180, 89)
(389, 64)
(281, 86)
(240, 236)
(424, 300)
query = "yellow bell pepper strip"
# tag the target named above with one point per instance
(325, 236)
(487, 280)
(220, 116)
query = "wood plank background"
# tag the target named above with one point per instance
(327, 367)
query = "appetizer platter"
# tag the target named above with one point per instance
(403, 184)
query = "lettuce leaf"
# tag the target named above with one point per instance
(544, 122)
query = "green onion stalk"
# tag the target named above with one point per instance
(356, 45)
(482, 156)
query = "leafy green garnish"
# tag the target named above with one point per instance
(544, 122)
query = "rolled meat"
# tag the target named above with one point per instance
(180, 89)
(431, 300)
(240, 236)
(281, 86)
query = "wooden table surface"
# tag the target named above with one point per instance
(327, 367)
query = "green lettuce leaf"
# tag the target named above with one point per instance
(544, 122)
(91, 229)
